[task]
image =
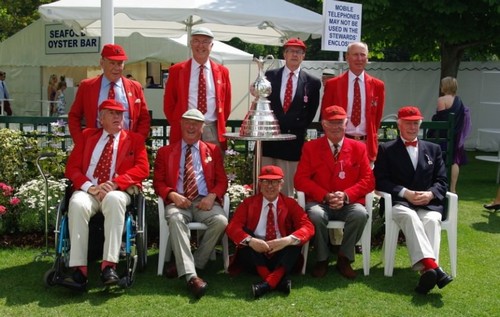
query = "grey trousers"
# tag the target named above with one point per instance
(355, 217)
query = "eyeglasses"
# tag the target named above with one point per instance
(199, 42)
(333, 123)
(292, 51)
(273, 182)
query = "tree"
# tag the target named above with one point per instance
(18, 14)
(429, 30)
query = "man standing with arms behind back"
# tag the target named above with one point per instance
(362, 97)
(110, 85)
(199, 83)
(294, 101)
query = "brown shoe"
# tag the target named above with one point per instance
(171, 270)
(197, 286)
(344, 267)
(320, 269)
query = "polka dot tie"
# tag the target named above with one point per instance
(270, 228)
(103, 168)
(356, 104)
(287, 101)
(190, 187)
(202, 91)
(111, 92)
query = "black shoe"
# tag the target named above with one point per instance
(109, 276)
(443, 279)
(492, 207)
(76, 281)
(260, 289)
(284, 286)
(427, 282)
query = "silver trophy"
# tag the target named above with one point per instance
(260, 120)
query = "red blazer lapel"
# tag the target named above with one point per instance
(342, 89)
(123, 148)
(89, 148)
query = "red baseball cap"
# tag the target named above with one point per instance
(295, 42)
(113, 52)
(111, 104)
(409, 113)
(271, 172)
(333, 113)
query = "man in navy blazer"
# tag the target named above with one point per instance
(298, 116)
(413, 172)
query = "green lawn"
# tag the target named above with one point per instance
(475, 291)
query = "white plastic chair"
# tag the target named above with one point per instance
(392, 231)
(365, 238)
(165, 247)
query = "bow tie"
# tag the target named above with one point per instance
(412, 143)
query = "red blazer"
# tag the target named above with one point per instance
(132, 165)
(166, 169)
(175, 99)
(336, 94)
(318, 174)
(85, 107)
(292, 219)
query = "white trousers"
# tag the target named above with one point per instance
(422, 230)
(82, 206)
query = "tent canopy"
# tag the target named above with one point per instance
(27, 48)
(257, 21)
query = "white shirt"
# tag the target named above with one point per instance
(284, 80)
(260, 230)
(361, 128)
(211, 114)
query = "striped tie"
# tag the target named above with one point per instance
(190, 187)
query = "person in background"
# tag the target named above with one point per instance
(110, 85)
(269, 230)
(326, 75)
(362, 96)
(335, 175)
(4, 94)
(150, 82)
(189, 175)
(448, 103)
(495, 205)
(294, 100)
(199, 83)
(101, 167)
(51, 94)
(414, 173)
(60, 98)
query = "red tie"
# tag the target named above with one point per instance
(202, 91)
(270, 229)
(356, 104)
(103, 168)
(111, 92)
(287, 101)
(412, 143)
(190, 187)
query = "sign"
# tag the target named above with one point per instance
(342, 25)
(60, 39)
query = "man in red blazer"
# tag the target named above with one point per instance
(103, 192)
(272, 255)
(92, 92)
(172, 172)
(181, 91)
(335, 175)
(340, 91)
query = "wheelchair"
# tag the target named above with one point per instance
(134, 242)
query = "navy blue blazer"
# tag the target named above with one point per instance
(298, 117)
(394, 170)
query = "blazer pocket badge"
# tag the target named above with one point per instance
(137, 100)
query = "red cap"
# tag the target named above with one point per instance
(113, 52)
(271, 172)
(409, 113)
(111, 104)
(295, 42)
(333, 113)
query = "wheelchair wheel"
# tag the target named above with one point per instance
(141, 239)
(48, 277)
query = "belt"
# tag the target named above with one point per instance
(356, 137)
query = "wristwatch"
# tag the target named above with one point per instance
(246, 241)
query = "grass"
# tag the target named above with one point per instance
(473, 293)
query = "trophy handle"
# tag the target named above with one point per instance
(269, 58)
